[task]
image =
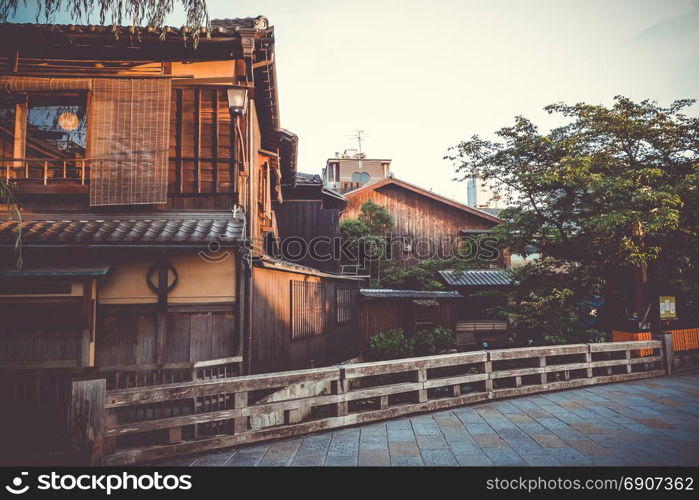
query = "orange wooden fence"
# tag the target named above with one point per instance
(685, 340)
(682, 340)
(619, 336)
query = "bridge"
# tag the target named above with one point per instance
(642, 422)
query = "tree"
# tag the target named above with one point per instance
(9, 204)
(612, 191)
(133, 12)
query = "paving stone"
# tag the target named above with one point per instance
(214, 459)
(308, 459)
(489, 441)
(343, 448)
(569, 456)
(438, 457)
(548, 440)
(341, 461)
(426, 429)
(431, 442)
(403, 461)
(400, 435)
(480, 429)
(504, 456)
(374, 458)
(589, 448)
(404, 449)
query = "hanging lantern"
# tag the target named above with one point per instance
(68, 121)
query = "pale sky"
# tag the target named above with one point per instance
(419, 76)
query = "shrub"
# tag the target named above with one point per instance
(390, 345)
(428, 342)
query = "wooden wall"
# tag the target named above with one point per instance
(306, 219)
(272, 346)
(203, 167)
(381, 315)
(416, 216)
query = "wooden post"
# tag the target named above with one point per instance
(488, 370)
(668, 352)
(240, 424)
(518, 381)
(383, 402)
(421, 377)
(628, 361)
(341, 386)
(542, 364)
(588, 360)
(85, 422)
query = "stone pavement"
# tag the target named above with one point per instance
(646, 422)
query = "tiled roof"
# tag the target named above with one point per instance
(312, 179)
(125, 230)
(477, 277)
(382, 293)
(219, 28)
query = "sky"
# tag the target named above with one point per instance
(420, 76)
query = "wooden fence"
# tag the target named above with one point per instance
(239, 408)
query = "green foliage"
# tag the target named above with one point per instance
(422, 275)
(136, 13)
(429, 342)
(614, 188)
(9, 204)
(376, 218)
(392, 344)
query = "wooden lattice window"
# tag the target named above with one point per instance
(343, 305)
(424, 316)
(308, 316)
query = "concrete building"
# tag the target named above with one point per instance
(352, 169)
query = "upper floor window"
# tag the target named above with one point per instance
(307, 309)
(360, 177)
(57, 124)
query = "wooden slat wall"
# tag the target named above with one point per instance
(202, 150)
(272, 346)
(378, 316)
(127, 335)
(417, 216)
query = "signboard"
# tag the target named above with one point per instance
(667, 307)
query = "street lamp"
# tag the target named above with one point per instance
(237, 100)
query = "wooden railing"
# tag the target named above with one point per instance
(48, 170)
(129, 376)
(239, 410)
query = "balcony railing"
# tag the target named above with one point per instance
(45, 171)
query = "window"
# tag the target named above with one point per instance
(360, 177)
(56, 125)
(425, 311)
(307, 309)
(343, 305)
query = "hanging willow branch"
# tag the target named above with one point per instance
(9, 203)
(134, 13)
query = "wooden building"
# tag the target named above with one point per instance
(309, 223)
(427, 225)
(149, 175)
(382, 310)
(475, 323)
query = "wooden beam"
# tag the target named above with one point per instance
(13, 61)
(197, 140)
(214, 140)
(179, 178)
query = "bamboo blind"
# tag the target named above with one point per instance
(129, 128)
(307, 309)
(38, 84)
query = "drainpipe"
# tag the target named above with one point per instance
(250, 213)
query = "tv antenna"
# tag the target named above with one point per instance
(359, 136)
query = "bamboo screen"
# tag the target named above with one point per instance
(307, 309)
(38, 84)
(128, 140)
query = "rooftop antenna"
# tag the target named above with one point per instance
(359, 136)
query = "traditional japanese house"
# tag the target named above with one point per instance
(475, 322)
(409, 310)
(149, 168)
(427, 225)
